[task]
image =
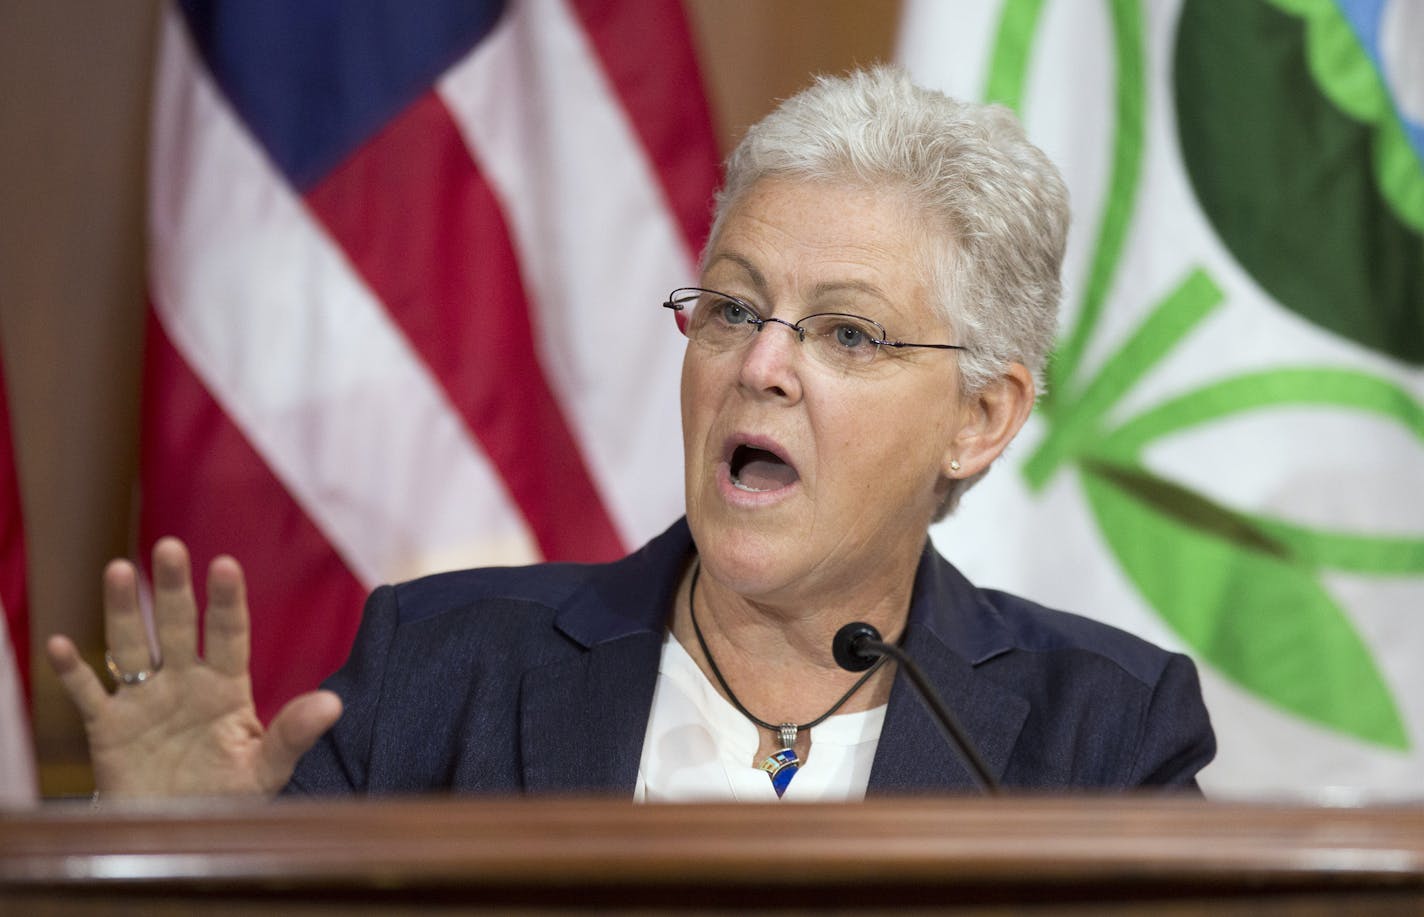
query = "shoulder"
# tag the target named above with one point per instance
(993, 630)
(1048, 633)
(444, 667)
(588, 602)
(1106, 708)
(543, 585)
(1098, 706)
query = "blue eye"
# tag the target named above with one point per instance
(849, 336)
(734, 313)
(842, 340)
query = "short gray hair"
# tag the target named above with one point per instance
(998, 204)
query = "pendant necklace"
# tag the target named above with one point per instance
(781, 765)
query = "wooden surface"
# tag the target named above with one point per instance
(1065, 852)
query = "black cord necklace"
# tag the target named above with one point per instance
(786, 732)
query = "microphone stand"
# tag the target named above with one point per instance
(856, 646)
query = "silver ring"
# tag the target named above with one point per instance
(128, 678)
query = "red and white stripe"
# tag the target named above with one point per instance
(17, 761)
(319, 397)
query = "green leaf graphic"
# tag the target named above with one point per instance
(1008, 74)
(1129, 140)
(1234, 593)
(1310, 386)
(1074, 429)
(1288, 387)
(1371, 555)
(1285, 177)
(1008, 70)
(1288, 178)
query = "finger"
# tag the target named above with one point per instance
(225, 625)
(293, 731)
(175, 610)
(125, 635)
(80, 682)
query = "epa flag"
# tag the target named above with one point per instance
(405, 269)
(1229, 458)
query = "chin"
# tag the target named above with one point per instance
(752, 556)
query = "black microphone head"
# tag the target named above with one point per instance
(847, 649)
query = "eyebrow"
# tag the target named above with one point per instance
(849, 286)
(758, 280)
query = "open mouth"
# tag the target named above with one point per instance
(758, 471)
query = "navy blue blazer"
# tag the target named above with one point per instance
(540, 680)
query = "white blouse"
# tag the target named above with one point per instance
(698, 748)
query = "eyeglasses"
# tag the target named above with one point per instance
(836, 340)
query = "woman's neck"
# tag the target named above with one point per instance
(776, 656)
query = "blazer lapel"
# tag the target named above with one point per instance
(914, 756)
(582, 722)
(951, 630)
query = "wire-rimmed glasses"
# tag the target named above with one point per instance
(838, 340)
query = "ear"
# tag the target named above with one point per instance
(991, 418)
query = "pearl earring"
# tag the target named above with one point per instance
(954, 464)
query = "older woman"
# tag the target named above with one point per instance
(877, 296)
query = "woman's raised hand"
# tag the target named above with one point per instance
(188, 727)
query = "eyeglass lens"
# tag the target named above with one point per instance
(719, 323)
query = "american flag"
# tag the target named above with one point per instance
(405, 268)
(17, 766)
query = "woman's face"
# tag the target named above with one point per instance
(804, 480)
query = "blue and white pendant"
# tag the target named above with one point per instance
(782, 766)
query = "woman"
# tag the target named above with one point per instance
(877, 296)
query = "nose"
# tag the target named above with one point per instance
(800, 335)
(770, 363)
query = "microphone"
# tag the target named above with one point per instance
(856, 647)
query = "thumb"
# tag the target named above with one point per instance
(294, 730)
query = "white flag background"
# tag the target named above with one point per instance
(1231, 459)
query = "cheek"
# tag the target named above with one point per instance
(893, 445)
(688, 388)
(698, 396)
(851, 442)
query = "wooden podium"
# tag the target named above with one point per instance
(1083, 855)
